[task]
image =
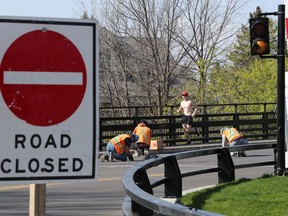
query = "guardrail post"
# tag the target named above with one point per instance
(173, 185)
(225, 163)
(142, 181)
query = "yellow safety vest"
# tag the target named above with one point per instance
(231, 134)
(119, 143)
(144, 133)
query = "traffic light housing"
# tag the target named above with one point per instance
(259, 36)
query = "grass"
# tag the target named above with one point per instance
(265, 196)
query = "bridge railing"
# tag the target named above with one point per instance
(254, 125)
(139, 188)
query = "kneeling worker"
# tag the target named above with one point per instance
(231, 137)
(119, 148)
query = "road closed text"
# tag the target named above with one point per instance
(41, 165)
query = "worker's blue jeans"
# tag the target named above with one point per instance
(241, 141)
(110, 148)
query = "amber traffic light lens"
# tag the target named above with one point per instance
(260, 46)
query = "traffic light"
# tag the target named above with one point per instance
(259, 36)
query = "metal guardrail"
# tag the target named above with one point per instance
(139, 190)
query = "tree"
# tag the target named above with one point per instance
(205, 35)
(151, 50)
(245, 78)
(145, 50)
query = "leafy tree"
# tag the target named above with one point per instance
(245, 78)
(204, 35)
(258, 82)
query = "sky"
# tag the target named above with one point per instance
(40, 8)
(71, 9)
(266, 5)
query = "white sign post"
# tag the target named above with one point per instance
(48, 100)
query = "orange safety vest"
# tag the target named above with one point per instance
(144, 133)
(231, 134)
(119, 143)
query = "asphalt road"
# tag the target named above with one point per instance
(105, 195)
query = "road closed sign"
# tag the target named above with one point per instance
(48, 99)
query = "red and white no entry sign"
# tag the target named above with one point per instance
(42, 78)
(49, 100)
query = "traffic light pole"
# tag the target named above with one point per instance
(281, 92)
(281, 170)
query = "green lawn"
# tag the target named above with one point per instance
(263, 196)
